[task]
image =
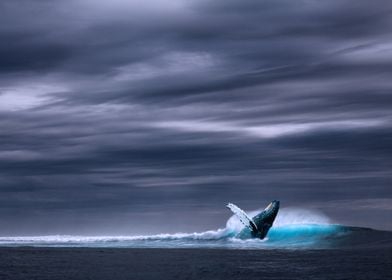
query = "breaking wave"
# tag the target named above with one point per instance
(293, 228)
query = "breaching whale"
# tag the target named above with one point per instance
(259, 225)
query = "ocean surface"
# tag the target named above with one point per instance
(301, 245)
(293, 229)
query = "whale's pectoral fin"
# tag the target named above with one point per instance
(243, 217)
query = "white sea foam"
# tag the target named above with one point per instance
(290, 224)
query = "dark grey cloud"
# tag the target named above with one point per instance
(115, 117)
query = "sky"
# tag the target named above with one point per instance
(133, 117)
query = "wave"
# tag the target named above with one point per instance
(293, 228)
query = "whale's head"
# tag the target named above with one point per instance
(273, 206)
(266, 218)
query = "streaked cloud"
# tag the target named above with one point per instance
(112, 112)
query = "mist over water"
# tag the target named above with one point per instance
(293, 228)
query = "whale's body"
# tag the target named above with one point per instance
(259, 225)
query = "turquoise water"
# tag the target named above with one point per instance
(291, 236)
(293, 228)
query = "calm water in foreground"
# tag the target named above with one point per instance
(123, 263)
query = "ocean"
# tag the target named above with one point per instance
(301, 245)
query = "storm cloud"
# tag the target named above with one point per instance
(148, 116)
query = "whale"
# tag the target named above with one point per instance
(259, 225)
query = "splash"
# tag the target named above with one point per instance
(293, 228)
(286, 217)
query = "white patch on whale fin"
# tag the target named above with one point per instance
(242, 216)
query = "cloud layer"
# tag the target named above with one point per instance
(145, 117)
